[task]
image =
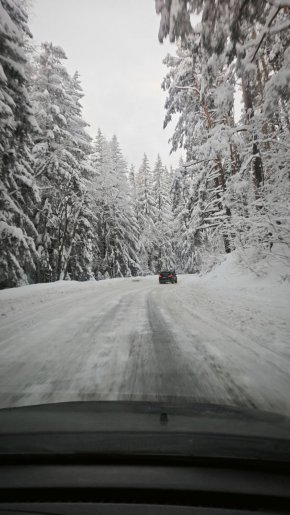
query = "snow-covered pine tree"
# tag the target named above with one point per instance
(61, 166)
(147, 213)
(18, 193)
(117, 226)
(78, 257)
(203, 130)
(240, 164)
(136, 206)
(124, 235)
(133, 191)
(99, 161)
(163, 256)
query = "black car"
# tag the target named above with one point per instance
(168, 276)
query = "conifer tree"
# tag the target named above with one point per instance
(18, 192)
(61, 162)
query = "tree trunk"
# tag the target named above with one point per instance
(257, 161)
(61, 242)
(219, 181)
(64, 267)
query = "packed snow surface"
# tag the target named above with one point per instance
(222, 338)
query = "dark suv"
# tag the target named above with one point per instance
(168, 277)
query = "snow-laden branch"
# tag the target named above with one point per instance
(192, 88)
(279, 3)
(193, 163)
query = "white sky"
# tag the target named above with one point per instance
(114, 45)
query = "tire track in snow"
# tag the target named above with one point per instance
(250, 377)
(136, 340)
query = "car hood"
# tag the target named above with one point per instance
(145, 429)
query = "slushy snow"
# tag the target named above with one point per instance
(218, 338)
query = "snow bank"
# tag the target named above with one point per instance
(246, 272)
(18, 299)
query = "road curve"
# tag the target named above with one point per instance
(135, 339)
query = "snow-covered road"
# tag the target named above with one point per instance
(136, 339)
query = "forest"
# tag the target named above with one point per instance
(71, 207)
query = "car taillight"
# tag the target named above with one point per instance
(160, 276)
(170, 276)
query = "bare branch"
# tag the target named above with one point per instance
(271, 18)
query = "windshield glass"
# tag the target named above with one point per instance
(144, 194)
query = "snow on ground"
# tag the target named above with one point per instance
(222, 338)
(255, 301)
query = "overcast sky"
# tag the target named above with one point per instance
(114, 46)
